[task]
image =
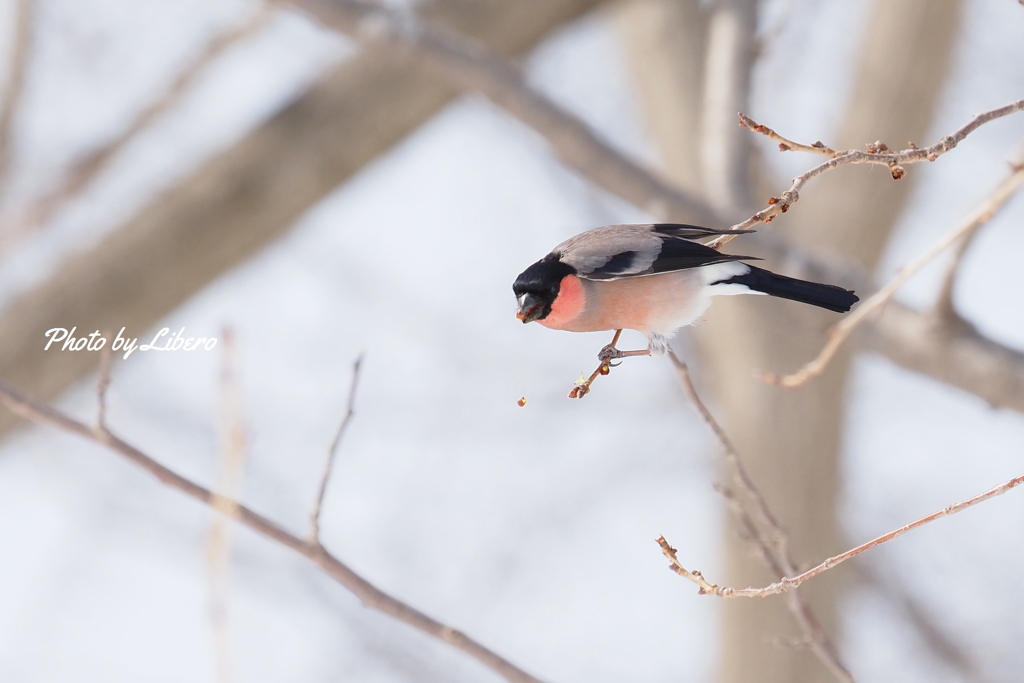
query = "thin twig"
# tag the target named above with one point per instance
(582, 387)
(977, 218)
(877, 153)
(785, 144)
(787, 584)
(737, 472)
(314, 517)
(10, 99)
(28, 408)
(764, 530)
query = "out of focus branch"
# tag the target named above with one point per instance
(14, 84)
(332, 453)
(944, 306)
(90, 166)
(472, 67)
(877, 153)
(30, 409)
(762, 527)
(948, 648)
(218, 543)
(954, 352)
(977, 218)
(789, 583)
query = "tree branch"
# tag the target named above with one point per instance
(763, 529)
(877, 153)
(789, 583)
(954, 352)
(975, 220)
(30, 409)
(332, 453)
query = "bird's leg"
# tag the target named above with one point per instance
(610, 352)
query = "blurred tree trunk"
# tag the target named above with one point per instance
(790, 439)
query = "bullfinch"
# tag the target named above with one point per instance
(652, 278)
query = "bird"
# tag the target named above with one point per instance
(653, 278)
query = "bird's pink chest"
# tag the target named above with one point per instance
(654, 303)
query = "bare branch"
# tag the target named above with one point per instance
(877, 153)
(314, 533)
(703, 585)
(785, 144)
(14, 85)
(764, 530)
(789, 583)
(977, 218)
(28, 408)
(582, 386)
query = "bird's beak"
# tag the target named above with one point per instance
(529, 308)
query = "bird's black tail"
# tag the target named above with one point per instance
(816, 294)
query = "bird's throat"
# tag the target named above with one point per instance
(568, 305)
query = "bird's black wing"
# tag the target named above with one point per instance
(620, 251)
(673, 254)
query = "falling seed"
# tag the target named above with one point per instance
(522, 401)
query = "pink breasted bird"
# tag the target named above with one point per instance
(652, 278)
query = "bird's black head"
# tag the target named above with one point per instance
(537, 287)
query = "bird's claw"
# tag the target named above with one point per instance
(608, 354)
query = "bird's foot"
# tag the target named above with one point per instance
(608, 354)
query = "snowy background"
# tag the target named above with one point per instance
(532, 529)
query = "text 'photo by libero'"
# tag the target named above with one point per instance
(63, 339)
